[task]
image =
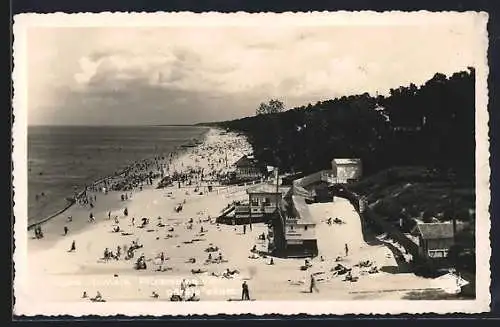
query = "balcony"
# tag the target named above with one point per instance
(244, 210)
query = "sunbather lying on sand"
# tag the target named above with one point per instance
(212, 249)
(97, 298)
(364, 263)
(230, 273)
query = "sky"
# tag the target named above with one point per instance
(190, 74)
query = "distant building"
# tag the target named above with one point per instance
(246, 168)
(435, 239)
(346, 170)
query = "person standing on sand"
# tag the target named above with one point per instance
(73, 247)
(346, 250)
(244, 229)
(245, 295)
(133, 221)
(312, 285)
(183, 288)
(125, 212)
(109, 214)
(66, 230)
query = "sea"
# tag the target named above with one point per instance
(64, 159)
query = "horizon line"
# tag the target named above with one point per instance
(106, 125)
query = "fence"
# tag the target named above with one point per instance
(392, 231)
(228, 191)
(370, 218)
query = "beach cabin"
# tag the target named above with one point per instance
(300, 230)
(263, 202)
(247, 169)
(265, 198)
(435, 239)
(346, 170)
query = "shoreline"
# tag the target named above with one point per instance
(52, 226)
(177, 151)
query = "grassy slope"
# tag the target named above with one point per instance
(414, 192)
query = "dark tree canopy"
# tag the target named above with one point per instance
(274, 106)
(432, 125)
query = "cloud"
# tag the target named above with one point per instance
(217, 73)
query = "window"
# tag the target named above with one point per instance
(255, 202)
(267, 202)
(436, 254)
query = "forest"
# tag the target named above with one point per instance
(432, 125)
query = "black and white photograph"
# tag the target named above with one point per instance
(337, 161)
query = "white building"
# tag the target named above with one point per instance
(346, 169)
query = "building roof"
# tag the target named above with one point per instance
(266, 188)
(244, 162)
(300, 205)
(432, 231)
(346, 161)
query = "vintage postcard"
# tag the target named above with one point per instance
(296, 163)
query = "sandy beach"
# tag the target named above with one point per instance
(55, 274)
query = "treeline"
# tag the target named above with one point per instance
(431, 125)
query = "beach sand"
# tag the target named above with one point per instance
(58, 275)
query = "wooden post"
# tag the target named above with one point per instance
(454, 219)
(277, 188)
(250, 207)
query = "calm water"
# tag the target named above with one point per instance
(62, 159)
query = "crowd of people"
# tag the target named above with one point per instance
(200, 169)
